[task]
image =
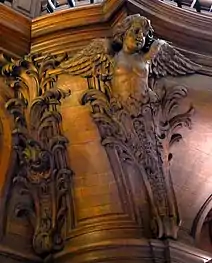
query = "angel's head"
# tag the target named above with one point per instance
(133, 34)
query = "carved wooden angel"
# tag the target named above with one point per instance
(124, 64)
(140, 135)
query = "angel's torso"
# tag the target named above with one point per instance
(130, 76)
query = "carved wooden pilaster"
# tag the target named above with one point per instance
(137, 137)
(42, 172)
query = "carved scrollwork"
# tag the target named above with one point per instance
(44, 174)
(142, 134)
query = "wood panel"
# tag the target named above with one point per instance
(192, 162)
(15, 32)
(99, 208)
(30, 8)
(71, 29)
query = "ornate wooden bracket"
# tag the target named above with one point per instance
(43, 171)
(141, 134)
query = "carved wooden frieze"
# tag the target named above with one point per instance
(43, 170)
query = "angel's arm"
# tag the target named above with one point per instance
(154, 49)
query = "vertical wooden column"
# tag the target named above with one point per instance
(101, 221)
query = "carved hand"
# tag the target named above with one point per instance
(154, 49)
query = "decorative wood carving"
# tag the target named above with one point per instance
(164, 19)
(100, 19)
(135, 119)
(40, 147)
(48, 36)
(141, 134)
(137, 133)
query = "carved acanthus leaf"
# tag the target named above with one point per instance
(142, 135)
(44, 174)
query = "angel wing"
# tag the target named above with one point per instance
(169, 61)
(95, 60)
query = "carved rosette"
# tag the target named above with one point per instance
(43, 173)
(141, 134)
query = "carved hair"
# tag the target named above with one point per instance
(121, 29)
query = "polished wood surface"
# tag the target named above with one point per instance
(191, 171)
(15, 32)
(71, 29)
(68, 31)
(102, 225)
(197, 39)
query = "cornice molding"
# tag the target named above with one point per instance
(15, 32)
(139, 248)
(107, 251)
(77, 17)
(71, 29)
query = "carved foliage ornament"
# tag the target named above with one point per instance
(41, 150)
(139, 122)
(142, 135)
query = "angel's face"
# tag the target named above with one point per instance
(135, 38)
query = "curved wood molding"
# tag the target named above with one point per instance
(14, 256)
(75, 17)
(15, 32)
(200, 218)
(71, 29)
(113, 250)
